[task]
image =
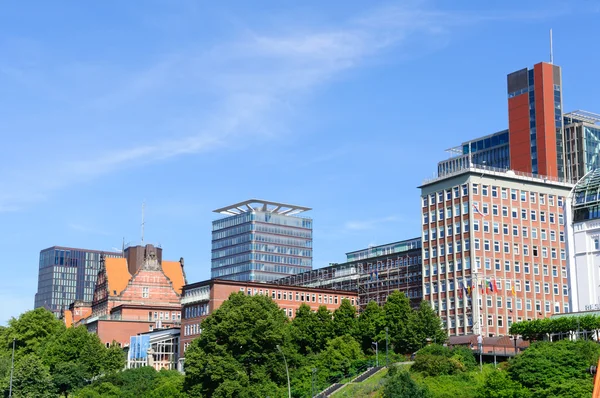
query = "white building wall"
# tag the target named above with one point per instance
(584, 265)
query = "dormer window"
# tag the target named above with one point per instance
(145, 292)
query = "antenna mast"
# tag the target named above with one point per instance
(143, 222)
(551, 54)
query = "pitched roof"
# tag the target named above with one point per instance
(174, 272)
(117, 275)
(68, 318)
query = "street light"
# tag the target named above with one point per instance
(376, 353)
(387, 343)
(312, 388)
(286, 371)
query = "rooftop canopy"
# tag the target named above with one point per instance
(261, 205)
(587, 190)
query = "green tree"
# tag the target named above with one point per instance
(303, 330)
(323, 327)
(370, 326)
(32, 329)
(114, 358)
(32, 378)
(344, 319)
(399, 318)
(237, 349)
(342, 356)
(399, 384)
(545, 367)
(76, 345)
(67, 377)
(499, 385)
(428, 325)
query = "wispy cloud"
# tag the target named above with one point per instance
(253, 82)
(373, 223)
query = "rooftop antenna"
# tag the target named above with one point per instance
(143, 222)
(551, 54)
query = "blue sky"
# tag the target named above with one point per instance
(344, 107)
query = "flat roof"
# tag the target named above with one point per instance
(82, 250)
(261, 205)
(268, 285)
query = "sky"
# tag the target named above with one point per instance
(188, 106)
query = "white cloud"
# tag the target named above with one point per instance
(252, 81)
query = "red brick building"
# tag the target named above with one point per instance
(202, 298)
(134, 294)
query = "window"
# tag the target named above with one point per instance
(514, 213)
(448, 194)
(494, 192)
(535, 251)
(542, 216)
(496, 246)
(504, 211)
(496, 228)
(545, 269)
(533, 215)
(507, 268)
(475, 225)
(506, 247)
(537, 287)
(532, 197)
(486, 245)
(484, 190)
(425, 200)
(485, 208)
(555, 289)
(477, 246)
(456, 192)
(440, 196)
(464, 190)
(534, 233)
(519, 304)
(500, 323)
(527, 286)
(542, 199)
(551, 217)
(526, 267)
(495, 210)
(504, 193)
(517, 267)
(486, 226)
(554, 271)
(523, 214)
(505, 229)
(475, 189)
(528, 305)
(498, 301)
(513, 194)
(145, 292)
(515, 230)
(524, 232)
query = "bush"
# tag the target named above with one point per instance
(437, 365)
(400, 385)
(465, 356)
(434, 349)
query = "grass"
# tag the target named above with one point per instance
(463, 386)
(372, 387)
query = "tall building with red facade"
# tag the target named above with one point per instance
(134, 294)
(493, 248)
(535, 120)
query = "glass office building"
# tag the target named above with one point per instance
(582, 137)
(66, 275)
(261, 241)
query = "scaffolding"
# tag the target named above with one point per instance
(374, 279)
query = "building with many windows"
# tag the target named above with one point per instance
(135, 294)
(582, 143)
(493, 248)
(373, 273)
(67, 274)
(582, 211)
(261, 241)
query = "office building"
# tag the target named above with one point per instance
(201, 299)
(138, 293)
(582, 212)
(67, 274)
(493, 248)
(261, 241)
(373, 273)
(582, 143)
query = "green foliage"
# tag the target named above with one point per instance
(304, 329)
(537, 329)
(545, 366)
(114, 358)
(342, 356)
(344, 318)
(499, 385)
(401, 385)
(427, 325)
(32, 378)
(399, 318)
(31, 330)
(67, 377)
(437, 360)
(324, 327)
(370, 326)
(237, 350)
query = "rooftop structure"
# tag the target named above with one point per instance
(263, 206)
(261, 241)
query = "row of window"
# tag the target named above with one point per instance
(192, 329)
(299, 296)
(164, 315)
(193, 311)
(440, 286)
(261, 247)
(506, 248)
(524, 230)
(451, 247)
(493, 191)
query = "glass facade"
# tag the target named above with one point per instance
(582, 145)
(491, 151)
(66, 275)
(260, 246)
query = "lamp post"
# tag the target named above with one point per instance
(12, 367)
(312, 388)
(286, 371)
(376, 353)
(515, 339)
(480, 347)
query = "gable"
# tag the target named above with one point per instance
(117, 275)
(174, 271)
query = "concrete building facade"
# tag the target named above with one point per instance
(493, 248)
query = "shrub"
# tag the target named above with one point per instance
(465, 356)
(437, 365)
